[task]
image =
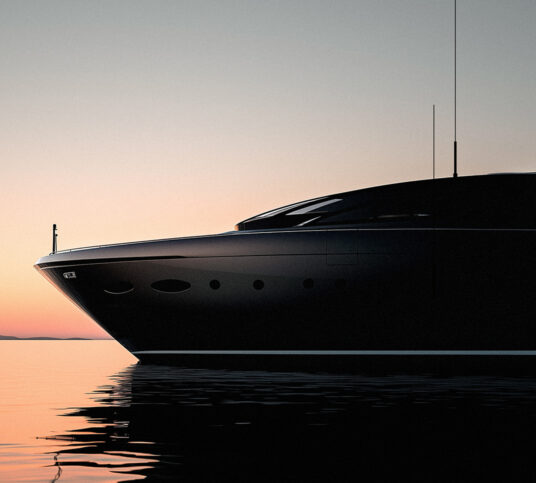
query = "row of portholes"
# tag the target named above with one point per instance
(308, 283)
(176, 286)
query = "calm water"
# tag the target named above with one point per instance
(85, 411)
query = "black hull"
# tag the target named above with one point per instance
(322, 290)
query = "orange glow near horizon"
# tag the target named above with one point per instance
(48, 313)
(45, 381)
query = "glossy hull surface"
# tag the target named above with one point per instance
(308, 292)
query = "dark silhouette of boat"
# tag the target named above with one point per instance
(425, 267)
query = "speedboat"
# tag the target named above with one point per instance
(431, 266)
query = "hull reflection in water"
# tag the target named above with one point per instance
(216, 425)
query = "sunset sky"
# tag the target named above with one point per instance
(132, 120)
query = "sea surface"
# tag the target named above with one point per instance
(86, 411)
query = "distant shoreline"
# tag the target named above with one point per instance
(12, 337)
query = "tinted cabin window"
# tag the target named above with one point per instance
(294, 215)
(386, 207)
(502, 201)
(321, 207)
(360, 216)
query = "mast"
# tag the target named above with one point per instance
(455, 139)
(433, 141)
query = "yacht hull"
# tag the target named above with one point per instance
(302, 294)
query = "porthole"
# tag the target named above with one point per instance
(119, 288)
(215, 284)
(170, 286)
(258, 284)
(308, 283)
(340, 283)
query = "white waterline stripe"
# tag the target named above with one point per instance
(344, 352)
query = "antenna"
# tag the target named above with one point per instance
(54, 239)
(455, 140)
(433, 141)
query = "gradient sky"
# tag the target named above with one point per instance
(130, 120)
